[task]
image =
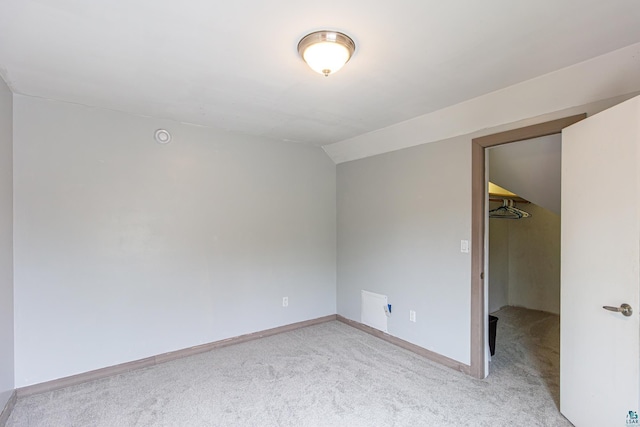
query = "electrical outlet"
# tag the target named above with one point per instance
(285, 301)
(412, 316)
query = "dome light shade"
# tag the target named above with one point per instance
(326, 51)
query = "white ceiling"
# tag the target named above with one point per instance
(234, 65)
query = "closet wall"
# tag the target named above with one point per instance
(498, 262)
(524, 260)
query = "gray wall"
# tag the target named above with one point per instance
(527, 252)
(6, 244)
(401, 217)
(125, 248)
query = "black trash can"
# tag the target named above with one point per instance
(493, 325)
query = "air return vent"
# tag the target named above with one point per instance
(372, 312)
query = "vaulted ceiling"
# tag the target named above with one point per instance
(234, 64)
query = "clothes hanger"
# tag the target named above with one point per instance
(508, 211)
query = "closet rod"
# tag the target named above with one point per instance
(515, 200)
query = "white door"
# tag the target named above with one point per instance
(600, 349)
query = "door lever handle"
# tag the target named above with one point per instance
(625, 309)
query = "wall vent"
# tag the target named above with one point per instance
(372, 310)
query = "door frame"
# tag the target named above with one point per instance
(478, 194)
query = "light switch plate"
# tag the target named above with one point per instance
(464, 246)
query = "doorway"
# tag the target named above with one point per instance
(479, 296)
(523, 237)
(524, 224)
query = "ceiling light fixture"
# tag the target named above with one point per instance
(326, 51)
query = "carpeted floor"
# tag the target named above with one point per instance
(324, 375)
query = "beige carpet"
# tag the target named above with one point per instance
(324, 375)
